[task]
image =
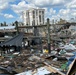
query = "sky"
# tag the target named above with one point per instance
(11, 10)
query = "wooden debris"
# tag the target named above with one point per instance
(50, 67)
(53, 69)
(72, 68)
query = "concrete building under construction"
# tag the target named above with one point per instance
(33, 17)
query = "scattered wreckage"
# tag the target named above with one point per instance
(28, 63)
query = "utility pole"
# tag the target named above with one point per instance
(16, 22)
(23, 17)
(48, 35)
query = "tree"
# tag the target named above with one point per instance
(5, 24)
(1, 24)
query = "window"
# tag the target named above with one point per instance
(40, 18)
(42, 12)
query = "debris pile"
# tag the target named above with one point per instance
(32, 63)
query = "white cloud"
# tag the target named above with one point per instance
(63, 8)
(71, 4)
(64, 11)
(58, 1)
(21, 6)
(74, 14)
(52, 11)
(67, 13)
(49, 13)
(8, 16)
(47, 3)
(42, 3)
(4, 4)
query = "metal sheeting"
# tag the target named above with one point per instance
(16, 41)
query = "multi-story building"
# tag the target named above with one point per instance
(33, 17)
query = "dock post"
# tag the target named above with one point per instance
(48, 35)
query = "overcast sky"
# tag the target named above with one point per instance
(11, 10)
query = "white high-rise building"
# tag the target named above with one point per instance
(33, 17)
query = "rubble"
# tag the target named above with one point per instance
(33, 63)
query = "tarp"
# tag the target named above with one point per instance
(15, 41)
(72, 58)
(69, 47)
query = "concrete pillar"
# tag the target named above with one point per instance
(35, 18)
(31, 17)
(41, 18)
(38, 18)
(28, 19)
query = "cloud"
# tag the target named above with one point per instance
(26, 4)
(52, 11)
(48, 3)
(63, 8)
(64, 11)
(49, 12)
(4, 4)
(71, 4)
(21, 6)
(66, 14)
(8, 16)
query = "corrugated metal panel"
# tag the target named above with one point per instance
(16, 41)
